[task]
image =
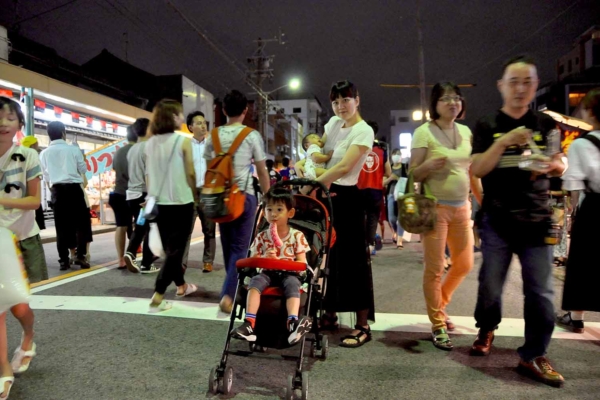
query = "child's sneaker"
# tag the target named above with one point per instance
(298, 329)
(372, 250)
(244, 332)
(378, 242)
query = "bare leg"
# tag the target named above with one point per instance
(24, 315)
(120, 235)
(253, 302)
(362, 320)
(382, 227)
(293, 307)
(4, 364)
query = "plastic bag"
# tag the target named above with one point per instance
(155, 241)
(14, 285)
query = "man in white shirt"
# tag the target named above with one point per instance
(196, 123)
(62, 167)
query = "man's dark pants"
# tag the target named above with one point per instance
(70, 212)
(209, 231)
(140, 232)
(372, 199)
(536, 267)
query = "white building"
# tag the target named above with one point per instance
(402, 127)
(307, 111)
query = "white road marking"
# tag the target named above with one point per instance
(511, 327)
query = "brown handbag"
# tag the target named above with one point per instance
(417, 212)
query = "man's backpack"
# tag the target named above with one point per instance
(221, 198)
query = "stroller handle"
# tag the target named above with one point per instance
(303, 182)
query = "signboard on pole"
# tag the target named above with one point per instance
(101, 160)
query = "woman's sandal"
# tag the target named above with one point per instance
(441, 340)
(189, 289)
(364, 334)
(20, 354)
(3, 381)
(329, 323)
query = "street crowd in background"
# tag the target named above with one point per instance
(160, 187)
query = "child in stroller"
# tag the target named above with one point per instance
(279, 242)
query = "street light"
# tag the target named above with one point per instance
(417, 115)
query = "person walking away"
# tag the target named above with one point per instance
(117, 200)
(440, 159)
(399, 171)
(196, 123)
(236, 235)
(62, 167)
(582, 179)
(370, 183)
(20, 190)
(171, 181)
(136, 196)
(516, 217)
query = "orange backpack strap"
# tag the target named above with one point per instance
(214, 134)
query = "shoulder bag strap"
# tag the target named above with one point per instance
(168, 165)
(596, 142)
(214, 134)
(239, 139)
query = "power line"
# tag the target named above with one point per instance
(44, 12)
(229, 59)
(503, 55)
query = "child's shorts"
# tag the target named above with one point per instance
(34, 259)
(290, 283)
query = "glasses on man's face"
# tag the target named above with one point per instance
(450, 99)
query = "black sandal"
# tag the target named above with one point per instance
(329, 323)
(441, 340)
(365, 334)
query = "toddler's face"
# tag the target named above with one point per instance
(314, 139)
(278, 213)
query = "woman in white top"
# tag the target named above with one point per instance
(350, 282)
(171, 179)
(583, 175)
(440, 159)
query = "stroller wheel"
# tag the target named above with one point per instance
(289, 390)
(305, 385)
(227, 381)
(213, 381)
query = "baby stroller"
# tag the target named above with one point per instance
(314, 219)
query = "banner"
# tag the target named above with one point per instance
(101, 160)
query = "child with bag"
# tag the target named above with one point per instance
(20, 190)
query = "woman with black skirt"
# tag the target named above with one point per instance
(583, 178)
(350, 282)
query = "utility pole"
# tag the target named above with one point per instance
(259, 71)
(126, 39)
(421, 63)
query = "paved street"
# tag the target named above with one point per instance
(96, 341)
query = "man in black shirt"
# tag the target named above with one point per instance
(516, 216)
(117, 200)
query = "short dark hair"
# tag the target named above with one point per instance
(277, 195)
(234, 103)
(374, 125)
(56, 130)
(285, 162)
(269, 163)
(190, 118)
(525, 59)
(162, 116)
(140, 126)
(343, 89)
(591, 102)
(131, 135)
(14, 107)
(305, 140)
(438, 91)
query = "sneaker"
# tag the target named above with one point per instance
(372, 250)
(299, 328)
(82, 262)
(244, 332)
(208, 267)
(131, 263)
(149, 270)
(64, 265)
(566, 321)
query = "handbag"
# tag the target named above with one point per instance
(151, 208)
(417, 212)
(14, 285)
(155, 241)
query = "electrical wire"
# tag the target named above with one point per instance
(506, 53)
(44, 12)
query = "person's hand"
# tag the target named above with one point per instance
(516, 137)
(434, 164)
(305, 190)
(271, 253)
(299, 170)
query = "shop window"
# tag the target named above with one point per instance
(297, 110)
(570, 67)
(403, 119)
(561, 69)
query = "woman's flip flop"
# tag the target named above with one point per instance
(20, 354)
(190, 288)
(3, 381)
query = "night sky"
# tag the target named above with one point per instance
(368, 42)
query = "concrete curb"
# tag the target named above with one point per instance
(107, 229)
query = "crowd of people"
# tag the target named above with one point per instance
(160, 176)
